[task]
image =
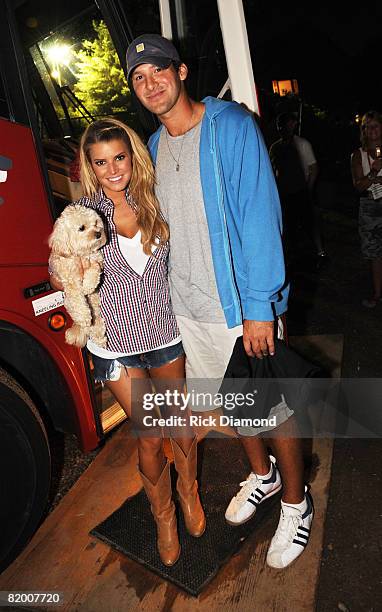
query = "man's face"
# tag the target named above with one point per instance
(290, 127)
(158, 89)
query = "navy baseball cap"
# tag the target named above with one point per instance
(150, 49)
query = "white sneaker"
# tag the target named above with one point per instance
(253, 492)
(292, 534)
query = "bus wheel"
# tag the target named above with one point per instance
(25, 469)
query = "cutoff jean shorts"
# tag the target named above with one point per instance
(110, 369)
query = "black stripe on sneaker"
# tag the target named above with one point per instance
(309, 507)
(272, 477)
(303, 544)
(304, 528)
(253, 502)
(303, 536)
(258, 492)
(258, 499)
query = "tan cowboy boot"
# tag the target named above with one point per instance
(163, 510)
(187, 488)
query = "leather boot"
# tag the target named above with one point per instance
(163, 510)
(187, 488)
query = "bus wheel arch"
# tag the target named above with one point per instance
(25, 468)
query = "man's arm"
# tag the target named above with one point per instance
(309, 161)
(312, 176)
(258, 338)
(261, 228)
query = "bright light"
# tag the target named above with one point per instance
(59, 54)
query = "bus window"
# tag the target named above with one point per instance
(197, 35)
(76, 78)
(4, 111)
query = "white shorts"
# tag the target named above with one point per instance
(208, 348)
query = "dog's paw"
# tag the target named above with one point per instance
(89, 286)
(77, 335)
(99, 340)
(98, 333)
(91, 279)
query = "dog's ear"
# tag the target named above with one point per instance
(59, 239)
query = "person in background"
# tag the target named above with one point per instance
(296, 170)
(143, 340)
(217, 191)
(366, 169)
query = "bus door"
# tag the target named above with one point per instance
(63, 60)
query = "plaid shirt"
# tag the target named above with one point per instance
(136, 309)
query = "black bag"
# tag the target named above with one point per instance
(284, 376)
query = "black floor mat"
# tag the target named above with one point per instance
(131, 528)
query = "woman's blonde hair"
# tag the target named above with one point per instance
(369, 116)
(141, 186)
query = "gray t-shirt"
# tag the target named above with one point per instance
(191, 274)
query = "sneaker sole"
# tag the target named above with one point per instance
(254, 512)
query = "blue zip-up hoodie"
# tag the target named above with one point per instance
(243, 213)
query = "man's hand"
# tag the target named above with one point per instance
(258, 338)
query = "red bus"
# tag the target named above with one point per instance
(61, 66)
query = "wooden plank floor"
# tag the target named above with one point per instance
(63, 557)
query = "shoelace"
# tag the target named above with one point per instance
(248, 485)
(287, 527)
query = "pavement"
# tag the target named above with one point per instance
(328, 301)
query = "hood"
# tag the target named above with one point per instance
(215, 106)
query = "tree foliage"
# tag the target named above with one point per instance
(101, 84)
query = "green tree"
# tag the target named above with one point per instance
(101, 84)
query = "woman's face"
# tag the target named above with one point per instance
(372, 129)
(111, 162)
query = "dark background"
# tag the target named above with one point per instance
(330, 48)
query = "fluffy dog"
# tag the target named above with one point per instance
(76, 261)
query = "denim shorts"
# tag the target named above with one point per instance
(110, 369)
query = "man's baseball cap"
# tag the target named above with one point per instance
(150, 49)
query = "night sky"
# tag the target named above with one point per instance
(332, 49)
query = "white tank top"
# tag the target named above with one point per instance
(132, 250)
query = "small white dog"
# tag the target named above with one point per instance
(76, 261)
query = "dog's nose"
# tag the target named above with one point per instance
(98, 235)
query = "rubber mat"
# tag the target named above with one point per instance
(131, 529)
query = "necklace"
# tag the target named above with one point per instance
(177, 165)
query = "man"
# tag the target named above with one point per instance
(296, 172)
(217, 191)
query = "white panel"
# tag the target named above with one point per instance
(235, 39)
(165, 18)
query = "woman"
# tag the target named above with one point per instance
(366, 167)
(143, 342)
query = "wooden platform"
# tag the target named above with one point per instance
(63, 557)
